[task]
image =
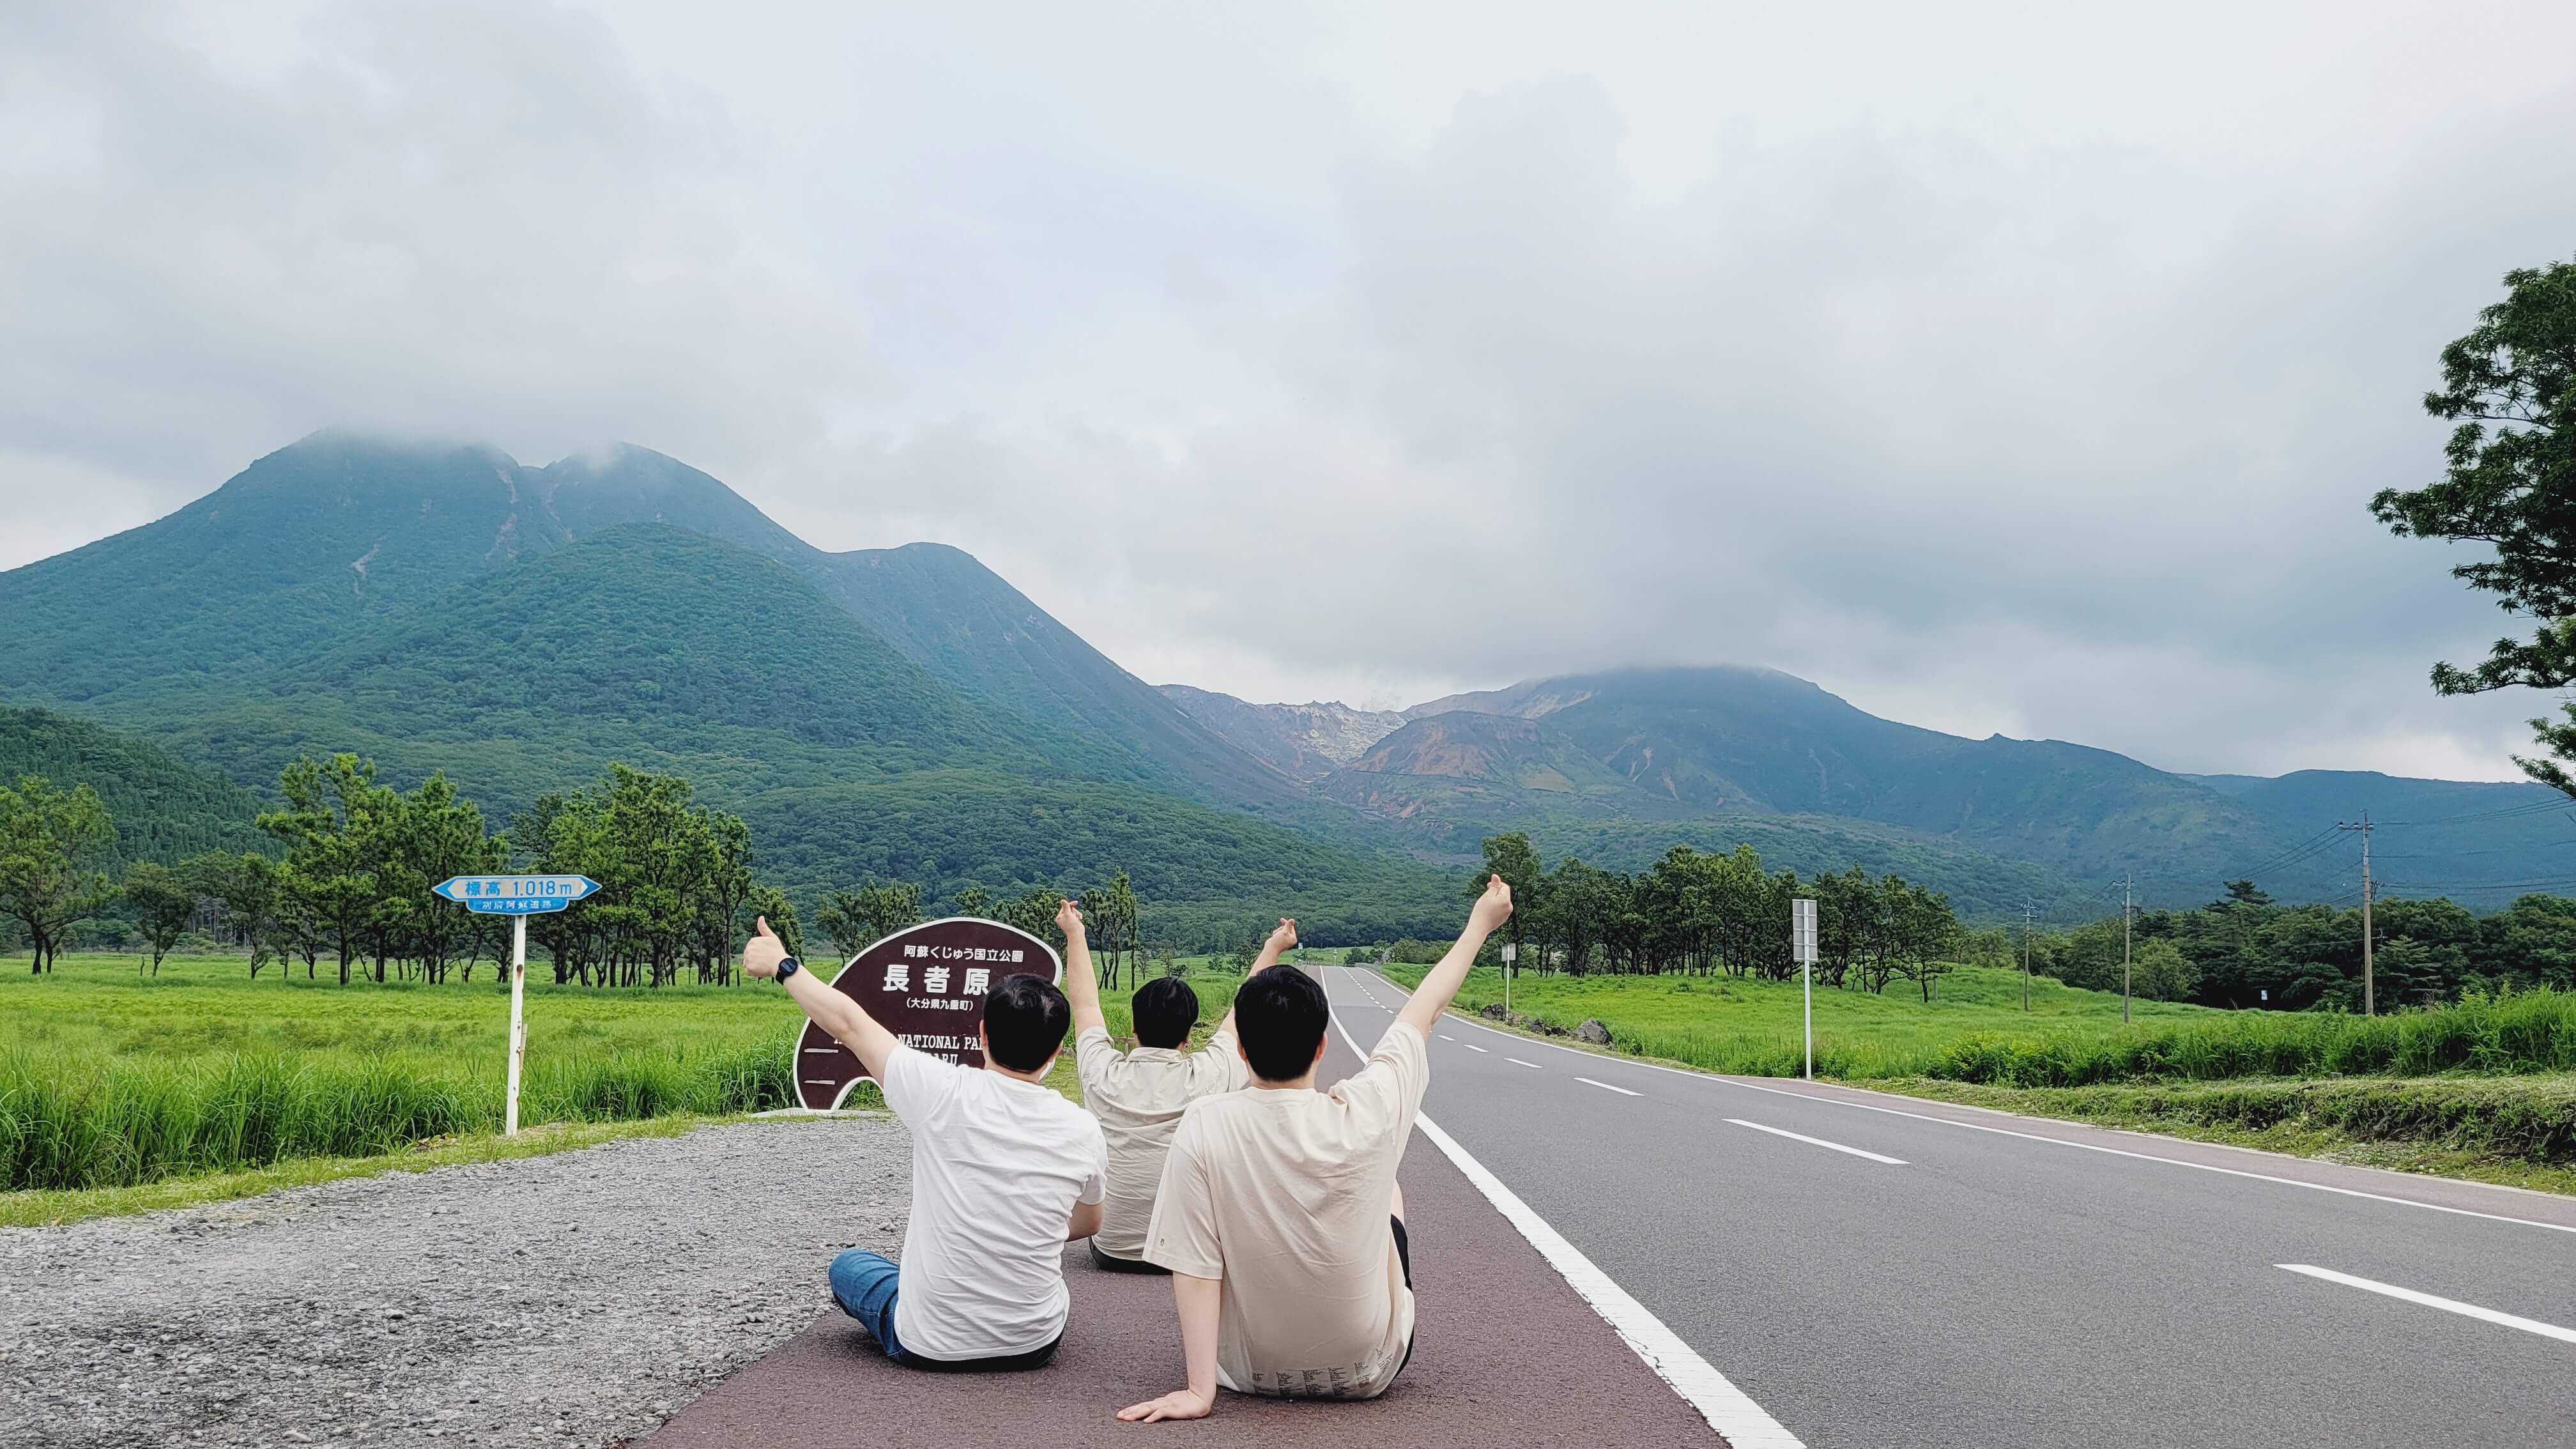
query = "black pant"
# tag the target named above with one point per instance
(1112, 1263)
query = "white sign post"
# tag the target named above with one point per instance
(1802, 944)
(1509, 951)
(518, 897)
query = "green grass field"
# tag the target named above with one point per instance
(1737, 1024)
(112, 1081)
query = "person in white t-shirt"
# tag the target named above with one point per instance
(1005, 1172)
(1279, 1215)
(1139, 1095)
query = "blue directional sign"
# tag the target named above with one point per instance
(515, 895)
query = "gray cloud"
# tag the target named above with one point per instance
(2020, 371)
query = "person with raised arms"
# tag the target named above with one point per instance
(1139, 1095)
(1279, 1215)
(1005, 1172)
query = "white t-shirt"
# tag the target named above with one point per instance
(1286, 1194)
(997, 1166)
(1138, 1096)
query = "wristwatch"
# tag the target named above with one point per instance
(788, 966)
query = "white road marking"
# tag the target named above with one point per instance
(1605, 1086)
(2447, 1305)
(1444, 1036)
(1818, 1142)
(1533, 1066)
(1729, 1410)
(1717, 1081)
(1471, 1046)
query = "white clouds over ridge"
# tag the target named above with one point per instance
(2011, 372)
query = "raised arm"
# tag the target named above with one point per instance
(1440, 987)
(847, 1021)
(1080, 986)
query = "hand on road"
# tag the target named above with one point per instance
(762, 953)
(1285, 936)
(1493, 907)
(1068, 919)
(1179, 1404)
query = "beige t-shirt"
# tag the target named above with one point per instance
(1285, 1195)
(1138, 1096)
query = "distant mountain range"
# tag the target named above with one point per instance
(907, 712)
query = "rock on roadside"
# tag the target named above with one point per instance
(572, 1299)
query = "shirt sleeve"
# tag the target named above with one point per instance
(1092, 1058)
(1387, 1092)
(1218, 1067)
(917, 1085)
(1182, 1235)
(1095, 1187)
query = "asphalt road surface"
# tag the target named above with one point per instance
(1874, 1270)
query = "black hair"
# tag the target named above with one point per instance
(1280, 1014)
(1165, 1009)
(1024, 1021)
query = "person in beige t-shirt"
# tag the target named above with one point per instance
(1279, 1215)
(1139, 1095)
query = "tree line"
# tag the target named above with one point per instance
(1703, 913)
(2247, 949)
(348, 883)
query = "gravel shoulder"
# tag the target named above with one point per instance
(578, 1298)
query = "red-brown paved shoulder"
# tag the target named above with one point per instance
(1505, 1354)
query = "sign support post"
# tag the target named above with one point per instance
(518, 897)
(1802, 941)
(518, 1022)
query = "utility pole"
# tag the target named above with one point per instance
(2126, 886)
(2369, 990)
(2025, 957)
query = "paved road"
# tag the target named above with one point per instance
(1506, 1356)
(1966, 1287)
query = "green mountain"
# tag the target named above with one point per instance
(317, 538)
(164, 807)
(1752, 745)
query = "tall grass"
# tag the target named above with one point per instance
(2499, 1035)
(79, 1120)
(2505, 1034)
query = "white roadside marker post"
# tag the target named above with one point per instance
(1802, 941)
(1509, 951)
(518, 897)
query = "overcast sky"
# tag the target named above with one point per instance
(2018, 368)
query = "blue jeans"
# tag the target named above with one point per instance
(865, 1284)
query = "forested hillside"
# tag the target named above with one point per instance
(164, 807)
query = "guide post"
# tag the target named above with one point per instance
(519, 897)
(1802, 945)
(1509, 951)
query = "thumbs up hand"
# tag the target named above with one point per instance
(762, 953)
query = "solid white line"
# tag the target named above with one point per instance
(1818, 1142)
(2447, 1305)
(1728, 1409)
(1605, 1086)
(1717, 1081)
(1533, 1066)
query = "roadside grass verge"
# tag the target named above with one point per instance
(137, 1092)
(2517, 1131)
(2485, 1089)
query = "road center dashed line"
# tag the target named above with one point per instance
(1533, 1066)
(2447, 1305)
(1819, 1142)
(1605, 1086)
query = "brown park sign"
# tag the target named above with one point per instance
(925, 984)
